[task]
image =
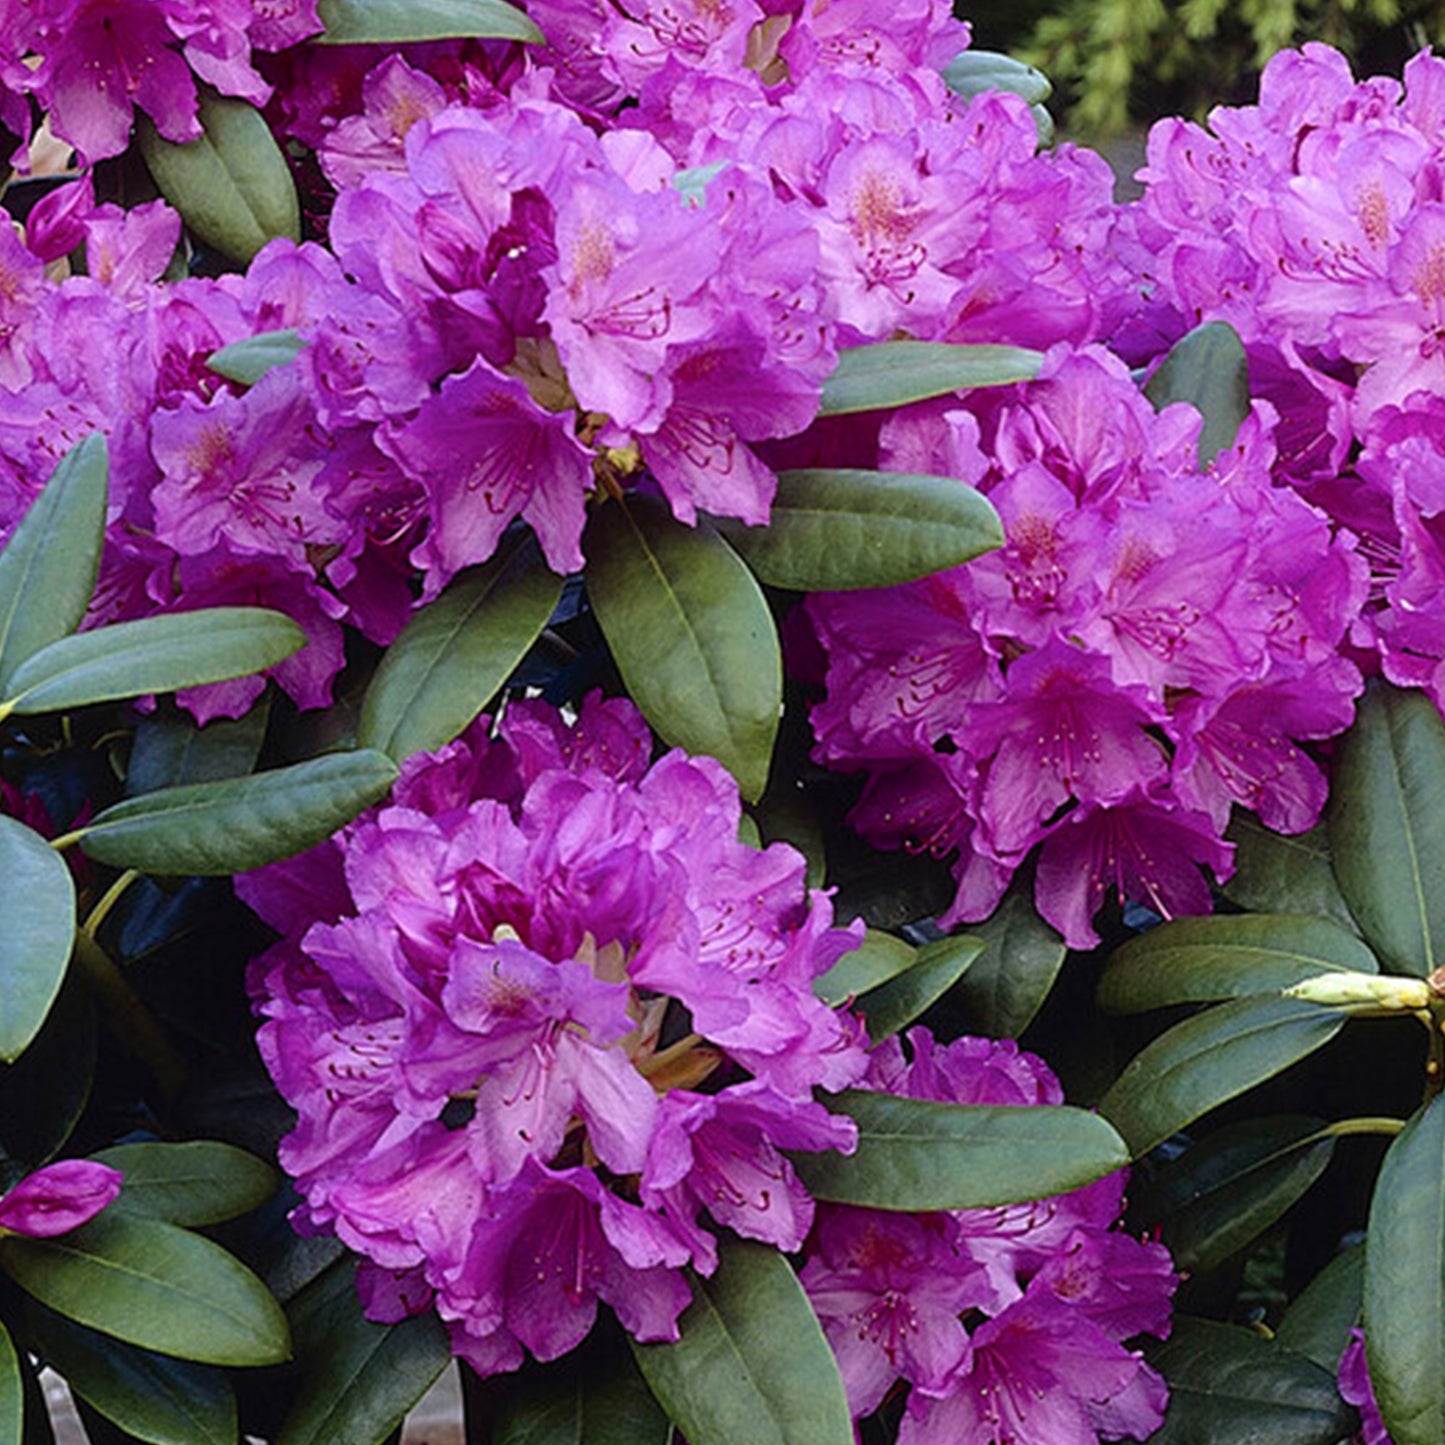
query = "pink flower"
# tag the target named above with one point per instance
(58, 1198)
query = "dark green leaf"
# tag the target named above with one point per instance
(785, 817)
(915, 1154)
(395, 22)
(1209, 1058)
(1229, 1386)
(203, 1182)
(1274, 873)
(360, 1378)
(1208, 369)
(977, 71)
(1227, 1189)
(150, 1396)
(36, 937)
(170, 750)
(880, 957)
(12, 1392)
(936, 969)
(1318, 1323)
(752, 1366)
(153, 1285)
(691, 634)
(232, 187)
(152, 654)
(1405, 1281)
(454, 655)
(249, 359)
(1002, 992)
(43, 1094)
(49, 566)
(1387, 827)
(889, 374)
(230, 826)
(834, 530)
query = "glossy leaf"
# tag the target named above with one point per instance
(170, 749)
(151, 1397)
(976, 71)
(49, 566)
(1209, 1058)
(1208, 369)
(1387, 827)
(751, 1366)
(915, 1154)
(835, 530)
(880, 957)
(35, 938)
(229, 826)
(360, 1378)
(1231, 955)
(249, 359)
(1277, 873)
(1230, 1386)
(1006, 987)
(153, 1285)
(12, 1392)
(1405, 1281)
(152, 654)
(454, 655)
(232, 187)
(691, 635)
(890, 374)
(191, 1184)
(1318, 1322)
(937, 968)
(396, 22)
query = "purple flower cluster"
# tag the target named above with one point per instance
(539, 1015)
(1007, 1324)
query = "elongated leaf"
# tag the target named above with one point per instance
(1209, 1058)
(752, 1366)
(1387, 827)
(837, 530)
(170, 750)
(1199, 960)
(36, 935)
(232, 187)
(12, 1392)
(1274, 873)
(454, 655)
(894, 373)
(150, 1396)
(152, 654)
(202, 1182)
(915, 1154)
(230, 826)
(1006, 987)
(49, 566)
(976, 71)
(936, 969)
(153, 1285)
(249, 359)
(1230, 1386)
(1318, 1323)
(881, 957)
(1405, 1281)
(360, 1377)
(1207, 368)
(395, 22)
(691, 634)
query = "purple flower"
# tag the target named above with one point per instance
(1357, 1390)
(58, 1198)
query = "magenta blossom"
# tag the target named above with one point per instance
(58, 1198)
(1357, 1390)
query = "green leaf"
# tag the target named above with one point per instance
(249, 359)
(1231, 955)
(1318, 1323)
(751, 1366)
(1278, 874)
(170, 750)
(44, 1093)
(976, 71)
(12, 1392)
(1229, 1386)
(691, 635)
(784, 817)
(203, 1182)
(1227, 1189)
(230, 826)
(1002, 992)
(152, 654)
(153, 1285)
(359, 1378)
(834, 530)
(150, 1396)
(1208, 369)
(889, 374)
(937, 968)
(454, 655)
(880, 957)
(1405, 1281)
(1387, 827)
(35, 941)
(396, 22)
(915, 1154)
(1208, 1059)
(49, 566)
(232, 187)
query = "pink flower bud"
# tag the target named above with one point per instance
(58, 1198)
